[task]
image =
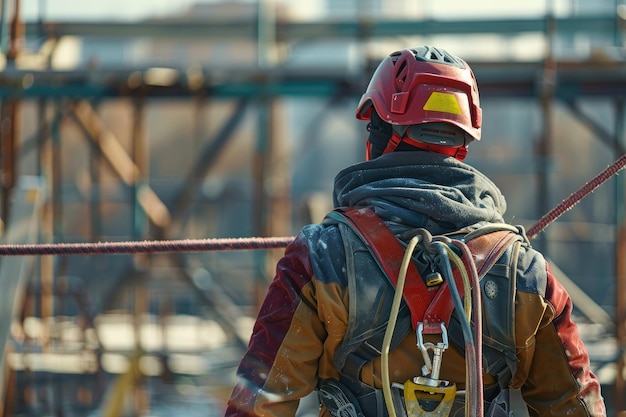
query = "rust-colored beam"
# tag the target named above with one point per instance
(9, 116)
(16, 36)
(119, 160)
(141, 161)
(203, 164)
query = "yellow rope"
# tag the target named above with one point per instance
(393, 316)
(467, 286)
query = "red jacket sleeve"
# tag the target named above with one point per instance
(280, 365)
(553, 363)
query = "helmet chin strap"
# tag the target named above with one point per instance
(459, 152)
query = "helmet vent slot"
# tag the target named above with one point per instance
(401, 72)
(394, 57)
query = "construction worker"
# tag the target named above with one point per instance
(325, 322)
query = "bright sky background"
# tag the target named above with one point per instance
(523, 47)
(139, 9)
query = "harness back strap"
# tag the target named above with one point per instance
(423, 304)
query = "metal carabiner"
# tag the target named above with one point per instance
(432, 367)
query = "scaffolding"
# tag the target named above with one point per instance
(113, 187)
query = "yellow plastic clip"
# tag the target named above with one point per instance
(427, 395)
(424, 400)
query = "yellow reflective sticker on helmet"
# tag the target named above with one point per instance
(443, 102)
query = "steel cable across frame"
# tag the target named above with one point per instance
(253, 243)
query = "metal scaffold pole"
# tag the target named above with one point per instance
(620, 270)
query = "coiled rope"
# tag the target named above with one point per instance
(252, 243)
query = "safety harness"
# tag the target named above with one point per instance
(427, 309)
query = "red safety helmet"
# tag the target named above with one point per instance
(424, 85)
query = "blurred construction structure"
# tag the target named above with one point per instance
(230, 120)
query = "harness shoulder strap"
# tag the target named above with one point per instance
(388, 253)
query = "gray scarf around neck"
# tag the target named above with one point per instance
(421, 189)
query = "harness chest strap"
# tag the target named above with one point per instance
(429, 307)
